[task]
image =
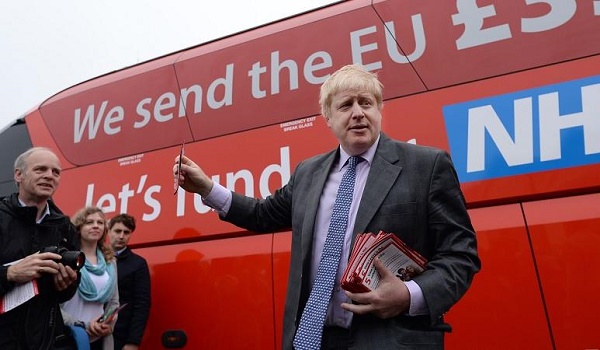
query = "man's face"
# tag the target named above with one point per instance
(40, 177)
(119, 236)
(355, 120)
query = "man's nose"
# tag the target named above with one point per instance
(49, 174)
(357, 111)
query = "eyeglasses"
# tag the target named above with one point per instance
(176, 176)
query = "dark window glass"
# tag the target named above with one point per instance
(13, 141)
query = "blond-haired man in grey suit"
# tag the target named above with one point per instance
(409, 190)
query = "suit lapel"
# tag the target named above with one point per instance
(312, 203)
(385, 169)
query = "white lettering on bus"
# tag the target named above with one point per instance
(276, 68)
(482, 119)
(552, 122)
(108, 201)
(164, 106)
(310, 67)
(92, 121)
(420, 41)
(151, 202)
(358, 49)
(162, 110)
(317, 61)
(164, 102)
(227, 84)
(470, 16)
(520, 150)
(297, 124)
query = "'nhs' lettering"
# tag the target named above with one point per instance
(551, 127)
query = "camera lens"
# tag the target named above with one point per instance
(72, 258)
(75, 259)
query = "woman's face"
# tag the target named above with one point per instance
(93, 228)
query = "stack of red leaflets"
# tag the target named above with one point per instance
(361, 274)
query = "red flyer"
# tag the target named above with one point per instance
(361, 274)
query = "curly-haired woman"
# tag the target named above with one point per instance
(97, 292)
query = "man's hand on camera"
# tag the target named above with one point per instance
(33, 266)
(65, 277)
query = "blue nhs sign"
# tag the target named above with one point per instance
(546, 128)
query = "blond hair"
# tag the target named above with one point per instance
(79, 220)
(350, 77)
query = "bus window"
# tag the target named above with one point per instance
(13, 141)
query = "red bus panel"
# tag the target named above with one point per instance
(420, 118)
(220, 293)
(565, 233)
(461, 41)
(503, 309)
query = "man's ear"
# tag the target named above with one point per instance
(18, 175)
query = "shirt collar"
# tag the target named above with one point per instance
(46, 211)
(368, 155)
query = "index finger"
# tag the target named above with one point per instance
(66, 271)
(70, 272)
(49, 256)
(360, 309)
(361, 298)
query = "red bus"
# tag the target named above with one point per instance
(510, 88)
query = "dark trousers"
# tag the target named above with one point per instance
(336, 338)
(97, 345)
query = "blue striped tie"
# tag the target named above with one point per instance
(310, 330)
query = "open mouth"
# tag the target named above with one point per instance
(358, 127)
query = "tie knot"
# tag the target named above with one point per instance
(352, 161)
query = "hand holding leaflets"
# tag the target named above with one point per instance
(110, 314)
(361, 274)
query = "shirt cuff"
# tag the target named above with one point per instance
(5, 284)
(219, 199)
(418, 305)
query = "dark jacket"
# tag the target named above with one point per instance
(36, 323)
(134, 289)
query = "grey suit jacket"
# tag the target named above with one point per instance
(411, 191)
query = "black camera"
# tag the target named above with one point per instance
(73, 258)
